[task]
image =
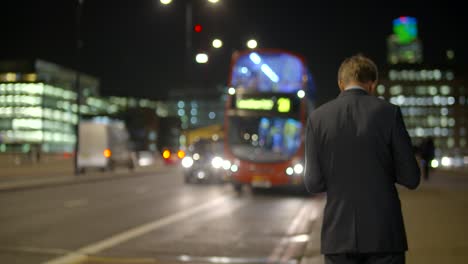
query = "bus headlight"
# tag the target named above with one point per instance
(226, 164)
(289, 171)
(234, 168)
(298, 168)
(217, 162)
(187, 162)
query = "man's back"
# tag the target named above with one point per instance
(358, 149)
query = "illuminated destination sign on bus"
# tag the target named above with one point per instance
(282, 104)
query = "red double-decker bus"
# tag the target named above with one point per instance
(270, 94)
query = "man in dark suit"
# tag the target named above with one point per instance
(357, 148)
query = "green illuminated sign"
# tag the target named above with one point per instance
(283, 104)
(405, 29)
(255, 104)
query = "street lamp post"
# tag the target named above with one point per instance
(188, 36)
(188, 41)
(79, 44)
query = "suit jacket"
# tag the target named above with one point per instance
(357, 148)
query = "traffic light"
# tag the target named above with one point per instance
(197, 28)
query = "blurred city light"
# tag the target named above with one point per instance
(217, 43)
(298, 168)
(197, 28)
(213, 1)
(165, 2)
(300, 93)
(187, 162)
(181, 154)
(217, 162)
(252, 44)
(234, 168)
(201, 58)
(434, 163)
(232, 91)
(446, 161)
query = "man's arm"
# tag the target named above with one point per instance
(406, 167)
(313, 178)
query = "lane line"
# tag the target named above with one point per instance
(282, 245)
(81, 253)
(311, 214)
(49, 251)
(75, 203)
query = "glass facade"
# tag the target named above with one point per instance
(434, 104)
(39, 109)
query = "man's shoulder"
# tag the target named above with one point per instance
(336, 103)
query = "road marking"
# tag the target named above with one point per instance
(281, 246)
(51, 251)
(81, 253)
(75, 203)
(142, 190)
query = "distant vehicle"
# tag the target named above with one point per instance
(104, 146)
(172, 156)
(204, 162)
(168, 140)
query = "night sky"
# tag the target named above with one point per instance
(136, 47)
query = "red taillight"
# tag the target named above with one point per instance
(107, 153)
(166, 154)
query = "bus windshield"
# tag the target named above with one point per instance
(264, 139)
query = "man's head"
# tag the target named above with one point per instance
(360, 71)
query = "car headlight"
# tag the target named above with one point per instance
(217, 162)
(289, 171)
(298, 168)
(187, 162)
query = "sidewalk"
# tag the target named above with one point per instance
(436, 220)
(61, 172)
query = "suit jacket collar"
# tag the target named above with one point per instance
(353, 92)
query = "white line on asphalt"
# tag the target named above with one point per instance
(52, 251)
(142, 190)
(75, 203)
(282, 245)
(81, 253)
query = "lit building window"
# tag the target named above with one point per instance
(181, 104)
(433, 90)
(397, 89)
(451, 122)
(212, 115)
(450, 76)
(392, 75)
(445, 89)
(451, 100)
(194, 111)
(444, 111)
(437, 75)
(381, 89)
(462, 142)
(450, 142)
(444, 122)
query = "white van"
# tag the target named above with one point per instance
(104, 146)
